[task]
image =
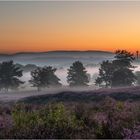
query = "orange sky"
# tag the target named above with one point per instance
(47, 26)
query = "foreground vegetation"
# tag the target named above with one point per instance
(106, 119)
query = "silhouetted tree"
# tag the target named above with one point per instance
(123, 59)
(123, 77)
(118, 72)
(123, 73)
(44, 77)
(9, 74)
(105, 74)
(77, 75)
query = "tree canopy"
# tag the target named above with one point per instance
(118, 72)
(77, 75)
(105, 74)
(44, 77)
(9, 74)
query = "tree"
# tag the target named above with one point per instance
(123, 73)
(44, 77)
(123, 77)
(77, 75)
(118, 72)
(123, 59)
(105, 74)
(9, 74)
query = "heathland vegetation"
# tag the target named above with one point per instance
(104, 113)
(106, 119)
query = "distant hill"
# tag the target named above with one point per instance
(57, 57)
(63, 52)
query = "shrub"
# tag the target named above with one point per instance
(52, 121)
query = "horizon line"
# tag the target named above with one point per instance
(22, 52)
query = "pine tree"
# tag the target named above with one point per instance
(44, 77)
(9, 74)
(123, 73)
(118, 72)
(105, 74)
(77, 75)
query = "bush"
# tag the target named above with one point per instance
(52, 121)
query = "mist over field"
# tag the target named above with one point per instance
(62, 75)
(58, 58)
(62, 61)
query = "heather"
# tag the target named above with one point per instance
(106, 119)
(131, 94)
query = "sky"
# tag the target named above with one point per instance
(36, 26)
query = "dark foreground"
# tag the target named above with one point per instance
(113, 113)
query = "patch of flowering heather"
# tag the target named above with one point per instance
(6, 125)
(132, 133)
(114, 117)
(5, 121)
(107, 119)
(100, 117)
(108, 104)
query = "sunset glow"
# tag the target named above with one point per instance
(48, 26)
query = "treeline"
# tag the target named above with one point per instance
(115, 73)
